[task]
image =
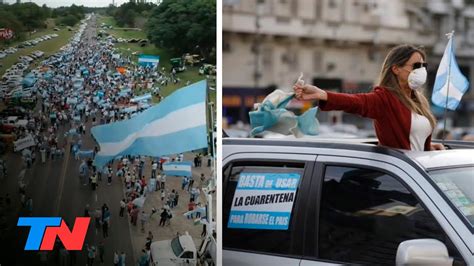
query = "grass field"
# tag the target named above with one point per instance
(40, 32)
(191, 74)
(48, 47)
(127, 49)
(127, 33)
(107, 20)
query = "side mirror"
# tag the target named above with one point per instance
(423, 252)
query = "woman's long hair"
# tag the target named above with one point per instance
(398, 56)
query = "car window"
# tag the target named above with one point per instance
(458, 186)
(187, 255)
(365, 214)
(176, 246)
(260, 215)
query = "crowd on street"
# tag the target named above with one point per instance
(85, 83)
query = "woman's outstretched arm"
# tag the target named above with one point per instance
(372, 105)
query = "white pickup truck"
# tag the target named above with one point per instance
(180, 250)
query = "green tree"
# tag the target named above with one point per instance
(184, 26)
(8, 20)
(69, 15)
(31, 15)
(125, 14)
(110, 11)
(69, 20)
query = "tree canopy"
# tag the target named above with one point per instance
(126, 14)
(184, 26)
(27, 17)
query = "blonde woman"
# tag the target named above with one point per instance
(401, 113)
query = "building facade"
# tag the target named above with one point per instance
(336, 44)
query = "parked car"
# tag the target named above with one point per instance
(38, 53)
(13, 78)
(192, 59)
(178, 64)
(21, 66)
(3, 92)
(8, 124)
(11, 50)
(333, 201)
(2, 55)
(16, 111)
(27, 58)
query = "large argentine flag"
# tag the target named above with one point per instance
(449, 75)
(177, 168)
(175, 125)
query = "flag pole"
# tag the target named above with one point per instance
(450, 36)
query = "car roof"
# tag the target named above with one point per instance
(442, 159)
(462, 154)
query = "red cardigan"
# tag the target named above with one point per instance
(392, 119)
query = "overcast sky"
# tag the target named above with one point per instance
(58, 3)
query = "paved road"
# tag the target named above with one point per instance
(57, 191)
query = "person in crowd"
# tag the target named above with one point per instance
(123, 205)
(163, 216)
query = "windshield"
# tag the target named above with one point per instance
(458, 186)
(176, 246)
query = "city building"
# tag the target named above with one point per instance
(336, 44)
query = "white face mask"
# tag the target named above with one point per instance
(417, 78)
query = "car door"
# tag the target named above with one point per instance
(187, 258)
(366, 208)
(263, 220)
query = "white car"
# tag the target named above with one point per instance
(11, 50)
(2, 55)
(11, 120)
(27, 58)
(13, 77)
(351, 201)
(181, 250)
(21, 66)
(38, 53)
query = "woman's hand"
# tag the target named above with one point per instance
(309, 92)
(437, 146)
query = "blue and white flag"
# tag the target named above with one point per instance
(148, 60)
(83, 154)
(450, 83)
(141, 98)
(273, 116)
(178, 168)
(175, 125)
